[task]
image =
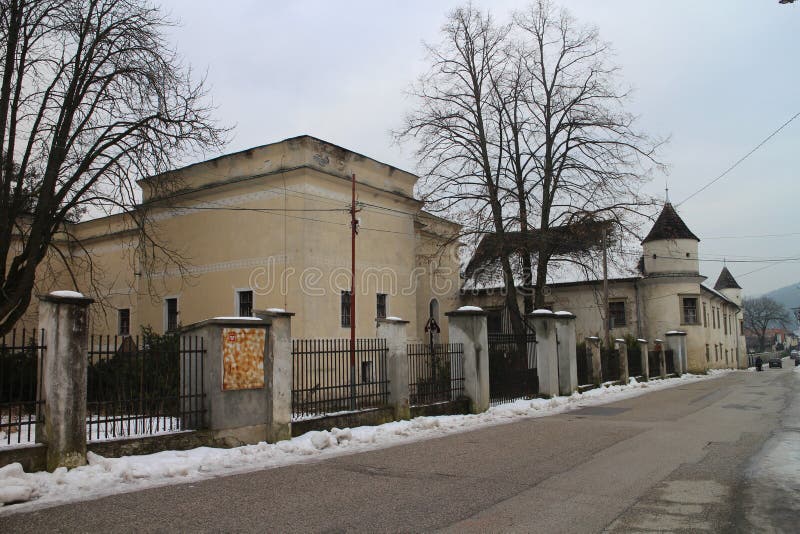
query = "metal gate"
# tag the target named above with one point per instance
(512, 375)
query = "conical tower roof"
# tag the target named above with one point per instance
(726, 281)
(669, 225)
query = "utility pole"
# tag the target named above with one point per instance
(607, 318)
(353, 233)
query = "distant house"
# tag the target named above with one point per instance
(668, 294)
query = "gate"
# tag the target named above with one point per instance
(668, 355)
(583, 360)
(512, 375)
(609, 360)
(635, 361)
(435, 372)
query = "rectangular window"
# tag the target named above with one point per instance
(716, 352)
(171, 314)
(689, 310)
(725, 322)
(380, 311)
(718, 321)
(345, 302)
(708, 353)
(705, 315)
(124, 322)
(245, 306)
(367, 373)
(616, 312)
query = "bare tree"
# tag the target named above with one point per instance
(762, 312)
(92, 99)
(522, 134)
(588, 159)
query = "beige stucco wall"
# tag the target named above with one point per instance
(285, 235)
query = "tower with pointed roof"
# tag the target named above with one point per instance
(670, 248)
(727, 285)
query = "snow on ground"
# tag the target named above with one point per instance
(104, 476)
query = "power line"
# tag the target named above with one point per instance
(740, 160)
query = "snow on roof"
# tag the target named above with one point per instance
(67, 294)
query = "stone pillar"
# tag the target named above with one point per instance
(645, 354)
(662, 362)
(64, 317)
(677, 343)
(278, 368)
(394, 332)
(567, 357)
(622, 349)
(467, 325)
(236, 409)
(544, 322)
(596, 368)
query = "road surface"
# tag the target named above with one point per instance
(716, 455)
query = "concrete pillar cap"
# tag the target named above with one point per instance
(390, 320)
(593, 338)
(619, 340)
(675, 333)
(564, 315)
(274, 312)
(66, 297)
(541, 313)
(658, 340)
(640, 340)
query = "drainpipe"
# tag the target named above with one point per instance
(638, 312)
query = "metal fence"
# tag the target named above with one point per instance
(144, 386)
(325, 381)
(609, 360)
(583, 361)
(435, 372)
(635, 360)
(21, 359)
(512, 375)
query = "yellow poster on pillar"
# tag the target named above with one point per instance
(243, 358)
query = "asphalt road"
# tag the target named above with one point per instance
(703, 456)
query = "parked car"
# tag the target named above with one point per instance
(776, 362)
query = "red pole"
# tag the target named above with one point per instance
(353, 232)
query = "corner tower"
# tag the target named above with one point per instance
(670, 248)
(727, 285)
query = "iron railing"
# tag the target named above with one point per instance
(512, 375)
(583, 361)
(635, 361)
(21, 407)
(324, 381)
(144, 386)
(609, 361)
(435, 372)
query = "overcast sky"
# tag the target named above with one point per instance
(717, 77)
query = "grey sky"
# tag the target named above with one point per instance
(715, 76)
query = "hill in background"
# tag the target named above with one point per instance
(789, 296)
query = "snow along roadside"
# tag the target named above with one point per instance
(106, 476)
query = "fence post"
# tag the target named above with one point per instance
(544, 324)
(394, 332)
(567, 356)
(234, 378)
(593, 344)
(645, 354)
(64, 317)
(622, 349)
(278, 369)
(467, 325)
(677, 342)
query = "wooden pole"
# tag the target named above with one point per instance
(353, 232)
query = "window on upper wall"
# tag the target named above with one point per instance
(719, 323)
(708, 353)
(345, 308)
(380, 306)
(616, 312)
(689, 309)
(124, 322)
(705, 315)
(244, 303)
(171, 314)
(725, 322)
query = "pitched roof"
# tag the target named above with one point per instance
(726, 281)
(669, 225)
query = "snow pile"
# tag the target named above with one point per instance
(67, 294)
(103, 476)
